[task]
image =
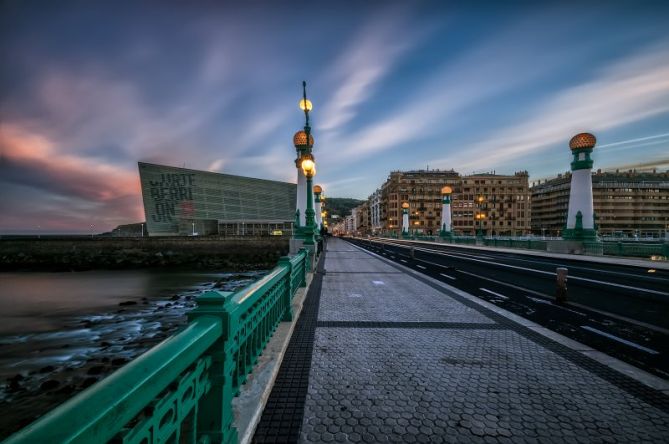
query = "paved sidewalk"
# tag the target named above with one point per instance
(399, 358)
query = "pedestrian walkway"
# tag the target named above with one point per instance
(381, 354)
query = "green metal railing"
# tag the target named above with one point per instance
(634, 249)
(181, 390)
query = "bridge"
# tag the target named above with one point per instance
(385, 340)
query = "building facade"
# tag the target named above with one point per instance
(179, 201)
(626, 204)
(494, 204)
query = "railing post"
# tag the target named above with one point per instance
(214, 419)
(284, 261)
(561, 286)
(304, 267)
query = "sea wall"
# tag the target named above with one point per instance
(128, 253)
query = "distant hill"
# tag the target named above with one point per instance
(341, 206)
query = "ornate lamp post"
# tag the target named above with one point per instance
(304, 142)
(318, 190)
(309, 169)
(405, 219)
(581, 218)
(445, 232)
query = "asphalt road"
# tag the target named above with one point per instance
(618, 309)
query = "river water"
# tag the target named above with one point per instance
(61, 332)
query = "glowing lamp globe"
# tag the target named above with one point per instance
(405, 205)
(582, 141)
(305, 105)
(318, 189)
(300, 140)
(308, 167)
(446, 190)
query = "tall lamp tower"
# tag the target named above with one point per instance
(405, 219)
(581, 217)
(445, 232)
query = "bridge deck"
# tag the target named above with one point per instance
(381, 354)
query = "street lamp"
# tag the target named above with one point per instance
(309, 170)
(304, 142)
(445, 231)
(405, 219)
(480, 215)
(318, 190)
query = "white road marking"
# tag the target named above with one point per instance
(621, 340)
(527, 290)
(378, 283)
(540, 301)
(402, 260)
(420, 266)
(493, 293)
(550, 273)
(447, 276)
(354, 295)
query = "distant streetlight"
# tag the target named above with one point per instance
(480, 215)
(92, 227)
(193, 223)
(142, 230)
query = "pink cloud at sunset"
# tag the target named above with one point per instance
(71, 187)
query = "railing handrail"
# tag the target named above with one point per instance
(98, 413)
(252, 289)
(225, 335)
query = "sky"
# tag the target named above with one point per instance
(89, 88)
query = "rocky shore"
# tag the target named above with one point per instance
(53, 366)
(128, 253)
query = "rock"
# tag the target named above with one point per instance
(105, 344)
(66, 390)
(49, 384)
(47, 369)
(125, 303)
(89, 382)
(14, 383)
(120, 361)
(95, 370)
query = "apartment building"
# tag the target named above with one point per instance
(626, 204)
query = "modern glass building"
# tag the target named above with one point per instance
(182, 202)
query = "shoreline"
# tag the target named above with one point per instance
(52, 366)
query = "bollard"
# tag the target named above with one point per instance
(561, 288)
(411, 253)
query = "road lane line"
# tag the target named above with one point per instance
(493, 293)
(447, 276)
(435, 264)
(621, 340)
(548, 299)
(420, 266)
(571, 277)
(402, 260)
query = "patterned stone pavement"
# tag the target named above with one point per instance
(396, 360)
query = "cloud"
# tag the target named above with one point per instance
(369, 57)
(630, 90)
(453, 90)
(65, 183)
